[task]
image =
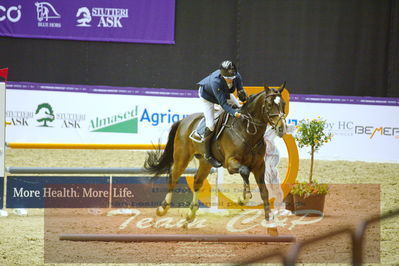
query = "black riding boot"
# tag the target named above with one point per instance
(208, 153)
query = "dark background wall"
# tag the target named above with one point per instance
(339, 47)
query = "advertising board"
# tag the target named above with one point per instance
(364, 128)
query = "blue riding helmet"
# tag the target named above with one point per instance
(228, 69)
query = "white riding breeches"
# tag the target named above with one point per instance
(208, 108)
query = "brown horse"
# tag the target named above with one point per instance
(240, 148)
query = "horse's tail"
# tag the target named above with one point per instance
(159, 162)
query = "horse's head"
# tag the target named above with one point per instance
(267, 108)
(273, 109)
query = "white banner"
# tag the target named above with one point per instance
(363, 132)
(360, 132)
(68, 117)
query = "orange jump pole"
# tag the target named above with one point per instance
(83, 146)
(175, 238)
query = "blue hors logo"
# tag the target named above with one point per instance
(46, 11)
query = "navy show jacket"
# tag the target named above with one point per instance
(214, 88)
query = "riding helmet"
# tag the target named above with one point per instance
(228, 69)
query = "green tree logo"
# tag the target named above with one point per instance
(45, 114)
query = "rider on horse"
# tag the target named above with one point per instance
(218, 88)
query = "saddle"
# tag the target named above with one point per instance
(221, 119)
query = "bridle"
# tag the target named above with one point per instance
(280, 114)
(254, 123)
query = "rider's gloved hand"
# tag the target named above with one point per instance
(241, 116)
(242, 96)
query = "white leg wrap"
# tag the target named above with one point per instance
(168, 197)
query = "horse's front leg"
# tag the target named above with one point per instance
(203, 171)
(259, 173)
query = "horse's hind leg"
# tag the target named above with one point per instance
(246, 194)
(203, 171)
(234, 166)
(178, 168)
(165, 205)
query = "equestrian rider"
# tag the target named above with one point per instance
(218, 88)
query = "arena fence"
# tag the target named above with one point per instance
(174, 237)
(357, 238)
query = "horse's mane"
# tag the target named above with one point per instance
(251, 98)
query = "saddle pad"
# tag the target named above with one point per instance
(198, 133)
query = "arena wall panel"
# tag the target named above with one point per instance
(364, 128)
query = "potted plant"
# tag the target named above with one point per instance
(310, 195)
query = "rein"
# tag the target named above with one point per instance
(252, 122)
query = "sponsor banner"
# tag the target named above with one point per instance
(140, 192)
(57, 192)
(364, 128)
(138, 21)
(93, 192)
(361, 132)
(60, 117)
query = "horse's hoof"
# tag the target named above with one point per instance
(248, 195)
(242, 201)
(192, 212)
(161, 211)
(185, 225)
(190, 217)
(272, 231)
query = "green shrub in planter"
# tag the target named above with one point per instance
(311, 133)
(306, 189)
